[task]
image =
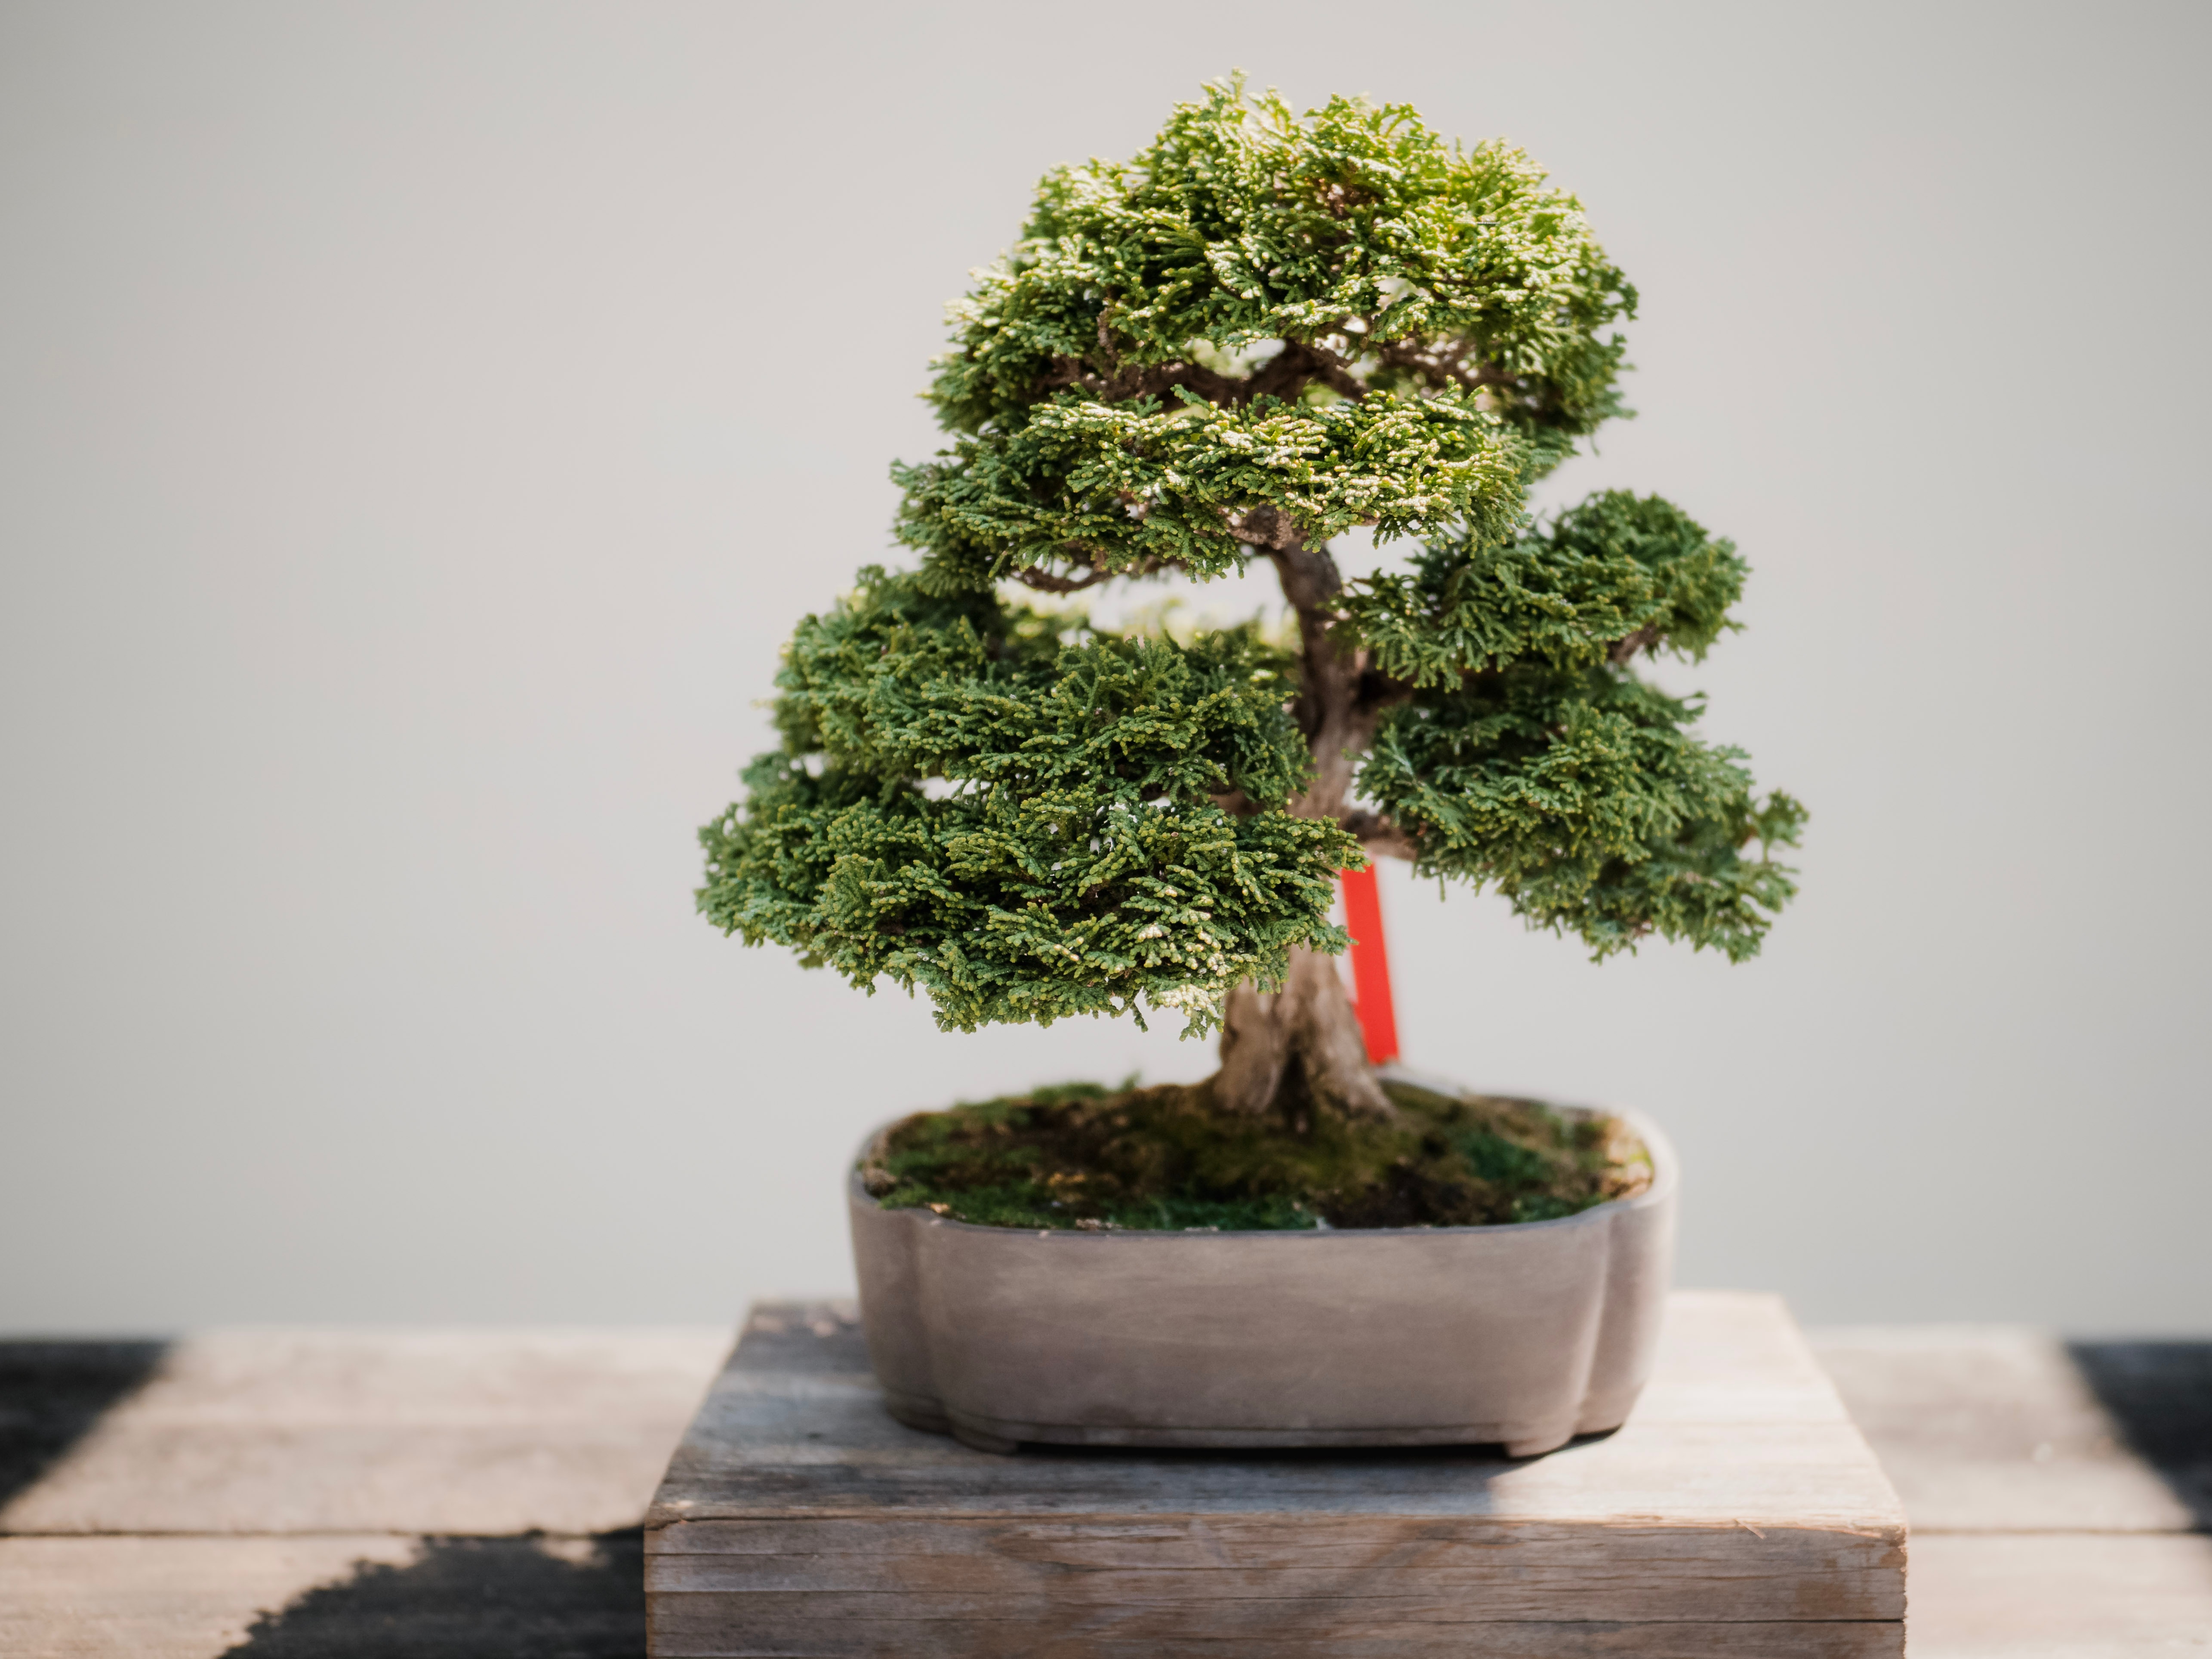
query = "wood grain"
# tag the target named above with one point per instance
(1425, 1571)
(481, 1426)
(437, 1431)
(163, 1598)
(1739, 1507)
(1280, 1632)
(1994, 1428)
(345, 1597)
(2062, 1596)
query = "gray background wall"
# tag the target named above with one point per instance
(422, 423)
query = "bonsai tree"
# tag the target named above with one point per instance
(1262, 331)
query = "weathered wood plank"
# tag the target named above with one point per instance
(51, 1393)
(163, 1598)
(797, 1427)
(1708, 1479)
(1959, 1413)
(1990, 1428)
(1424, 1570)
(680, 1631)
(321, 1598)
(2062, 1596)
(1743, 1509)
(446, 1432)
(2160, 1393)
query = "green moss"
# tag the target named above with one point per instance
(1161, 1159)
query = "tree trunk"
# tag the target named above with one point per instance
(1299, 1051)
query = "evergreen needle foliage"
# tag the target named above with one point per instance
(1072, 858)
(1263, 331)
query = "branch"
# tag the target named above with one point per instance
(1308, 575)
(1284, 375)
(1264, 527)
(1287, 372)
(1436, 366)
(1330, 667)
(1628, 645)
(1044, 581)
(1378, 835)
(1126, 383)
(1236, 803)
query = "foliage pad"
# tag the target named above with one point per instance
(1343, 317)
(1072, 859)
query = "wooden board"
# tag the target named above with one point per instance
(479, 1427)
(1738, 1512)
(165, 1598)
(319, 1596)
(2001, 1429)
(1973, 1596)
(480, 1432)
(2062, 1596)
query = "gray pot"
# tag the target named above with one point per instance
(1525, 1335)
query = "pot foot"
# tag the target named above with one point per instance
(1537, 1445)
(978, 1440)
(918, 1417)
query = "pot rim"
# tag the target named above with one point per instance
(1666, 1174)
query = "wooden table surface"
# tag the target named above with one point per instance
(1739, 1513)
(479, 1493)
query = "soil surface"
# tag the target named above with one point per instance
(1087, 1156)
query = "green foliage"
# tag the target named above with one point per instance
(1271, 266)
(1262, 323)
(1066, 855)
(1579, 794)
(1079, 1156)
(1619, 568)
(1122, 487)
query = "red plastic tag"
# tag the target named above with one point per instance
(1371, 965)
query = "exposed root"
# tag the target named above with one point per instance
(1299, 1051)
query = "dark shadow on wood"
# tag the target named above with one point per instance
(50, 1392)
(1480, 1456)
(472, 1598)
(2160, 1395)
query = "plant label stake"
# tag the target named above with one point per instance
(1371, 965)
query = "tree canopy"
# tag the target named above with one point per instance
(1261, 332)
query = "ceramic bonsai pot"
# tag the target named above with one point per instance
(1523, 1334)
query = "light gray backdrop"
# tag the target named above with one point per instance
(422, 424)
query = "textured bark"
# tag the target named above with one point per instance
(1332, 709)
(1299, 1051)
